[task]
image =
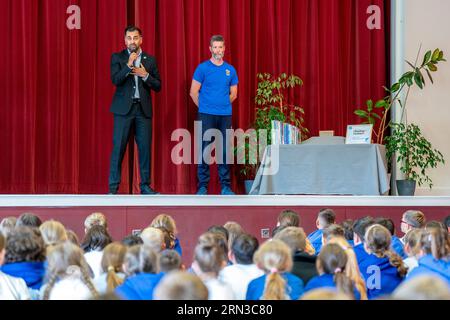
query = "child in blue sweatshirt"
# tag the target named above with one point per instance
(142, 274)
(275, 259)
(324, 219)
(435, 254)
(331, 265)
(382, 269)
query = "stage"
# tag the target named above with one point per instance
(194, 214)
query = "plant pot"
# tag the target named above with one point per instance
(406, 187)
(248, 185)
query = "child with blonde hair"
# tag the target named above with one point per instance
(67, 274)
(167, 222)
(112, 274)
(275, 259)
(53, 232)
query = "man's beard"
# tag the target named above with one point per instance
(133, 48)
(218, 56)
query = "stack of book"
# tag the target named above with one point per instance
(284, 133)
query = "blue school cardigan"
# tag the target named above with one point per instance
(139, 286)
(326, 281)
(294, 287)
(316, 240)
(380, 276)
(429, 265)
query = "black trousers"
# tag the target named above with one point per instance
(121, 134)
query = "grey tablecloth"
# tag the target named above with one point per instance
(321, 168)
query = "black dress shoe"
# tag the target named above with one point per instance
(148, 190)
(111, 191)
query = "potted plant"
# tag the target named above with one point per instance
(416, 155)
(412, 148)
(272, 103)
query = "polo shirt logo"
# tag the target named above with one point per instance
(227, 72)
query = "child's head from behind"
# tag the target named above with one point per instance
(332, 260)
(274, 258)
(64, 255)
(325, 218)
(53, 232)
(25, 244)
(179, 285)
(140, 259)
(244, 248)
(294, 237)
(436, 242)
(288, 218)
(209, 258)
(377, 240)
(169, 260)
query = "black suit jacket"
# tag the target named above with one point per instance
(124, 82)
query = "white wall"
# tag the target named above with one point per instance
(428, 22)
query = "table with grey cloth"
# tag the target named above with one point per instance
(324, 166)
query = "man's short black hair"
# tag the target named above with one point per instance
(360, 226)
(216, 38)
(132, 29)
(387, 223)
(244, 247)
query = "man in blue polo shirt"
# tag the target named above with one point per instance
(213, 90)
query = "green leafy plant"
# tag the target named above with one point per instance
(415, 76)
(272, 103)
(414, 152)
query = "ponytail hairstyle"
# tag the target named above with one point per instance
(53, 232)
(332, 259)
(167, 222)
(67, 259)
(274, 257)
(378, 242)
(352, 268)
(436, 242)
(112, 261)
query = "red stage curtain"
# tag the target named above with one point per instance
(55, 88)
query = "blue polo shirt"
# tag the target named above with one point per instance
(214, 96)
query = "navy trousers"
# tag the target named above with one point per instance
(221, 123)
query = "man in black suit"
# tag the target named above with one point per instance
(135, 74)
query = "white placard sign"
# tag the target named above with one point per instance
(359, 134)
